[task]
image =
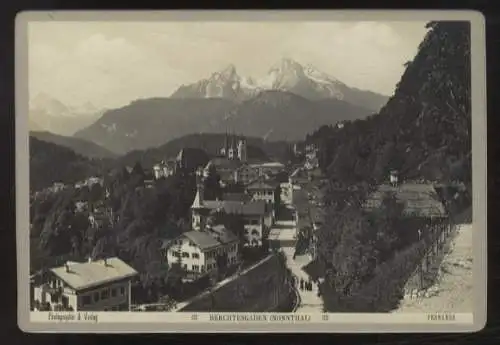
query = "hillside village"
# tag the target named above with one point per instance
(354, 218)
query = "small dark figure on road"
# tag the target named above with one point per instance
(301, 284)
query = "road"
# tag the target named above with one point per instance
(285, 233)
(453, 292)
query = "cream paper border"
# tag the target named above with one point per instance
(146, 322)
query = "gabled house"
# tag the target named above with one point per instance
(421, 206)
(263, 190)
(225, 168)
(200, 252)
(103, 285)
(258, 215)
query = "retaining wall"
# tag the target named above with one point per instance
(265, 288)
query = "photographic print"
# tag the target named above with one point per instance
(251, 171)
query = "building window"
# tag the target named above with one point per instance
(105, 294)
(122, 291)
(113, 292)
(96, 296)
(195, 256)
(202, 268)
(185, 266)
(192, 244)
(176, 254)
(86, 300)
(196, 268)
(185, 254)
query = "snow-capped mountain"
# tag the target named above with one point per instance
(286, 75)
(54, 116)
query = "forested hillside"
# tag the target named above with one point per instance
(424, 132)
(80, 146)
(424, 129)
(141, 220)
(211, 143)
(51, 163)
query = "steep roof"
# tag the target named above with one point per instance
(222, 234)
(241, 197)
(90, 274)
(420, 200)
(202, 239)
(255, 207)
(197, 203)
(223, 163)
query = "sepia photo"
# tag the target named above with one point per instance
(251, 171)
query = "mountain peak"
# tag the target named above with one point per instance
(286, 64)
(285, 75)
(228, 73)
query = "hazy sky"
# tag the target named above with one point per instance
(111, 63)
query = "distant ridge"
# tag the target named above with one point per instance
(153, 122)
(79, 146)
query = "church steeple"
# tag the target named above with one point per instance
(197, 221)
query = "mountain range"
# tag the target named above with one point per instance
(302, 97)
(286, 75)
(271, 115)
(49, 114)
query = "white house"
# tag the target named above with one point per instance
(262, 190)
(103, 285)
(164, 169)
(200, 252)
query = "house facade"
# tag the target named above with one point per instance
(164, 169)
(257, 214)
(263, 190)
(103, 285)
(201, 252)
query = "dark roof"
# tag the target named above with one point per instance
(202, 239)
(258, 185)
(241, 197)
(222, 163)
(222, 234)
(257, 207)
(420, 200)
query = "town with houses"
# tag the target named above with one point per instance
(106, 284)
(280, 205)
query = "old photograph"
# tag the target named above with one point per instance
(221, 167)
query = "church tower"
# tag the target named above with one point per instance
(242, 150)
(223, 150)
(198, 208)
(232, 149)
